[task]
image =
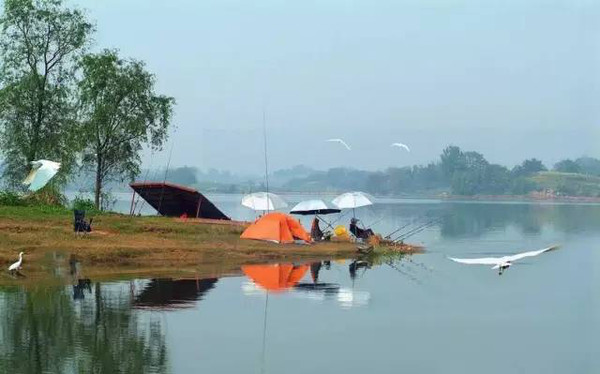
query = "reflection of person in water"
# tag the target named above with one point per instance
(358, 232)
(315, 267)
(355, 265)
(79, 288)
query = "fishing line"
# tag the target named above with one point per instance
(162, 192)
(145, 181)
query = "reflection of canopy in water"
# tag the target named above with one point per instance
(275, 277)
(168, 293)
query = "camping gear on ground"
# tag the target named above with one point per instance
(79, 222)
(276, 227)
(341, 234)
(353, 200)
(263, 201)
(277, 277)
(41, 173)
(310, 207)
(173, 200)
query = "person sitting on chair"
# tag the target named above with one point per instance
(358, 232)
(315, 231)
(80, 225)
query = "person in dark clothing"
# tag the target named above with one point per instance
(358, 232)
(315, 231)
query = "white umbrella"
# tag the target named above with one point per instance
(263, 201)
(353, 200)
(41, 173)
(310, 207)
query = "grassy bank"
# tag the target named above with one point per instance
(144, 246)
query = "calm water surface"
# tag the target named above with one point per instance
(416, 314)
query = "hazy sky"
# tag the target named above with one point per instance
(510, 79)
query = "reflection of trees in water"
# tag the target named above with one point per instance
(468, 220)
(475, 219)
(43, 330)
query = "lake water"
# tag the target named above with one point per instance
(419, 314)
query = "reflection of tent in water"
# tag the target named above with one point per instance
(169, 293)
(174, 201)
(275, 277)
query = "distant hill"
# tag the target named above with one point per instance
(567, 184)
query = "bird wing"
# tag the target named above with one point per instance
(477, 261)
(400, 145)
(341, 142)
(519, 256)
(15, 265)
(30, 177)
(43, 175)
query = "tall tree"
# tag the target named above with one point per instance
(528, 167)
(40, 43)
(121, 114)
(567, 166)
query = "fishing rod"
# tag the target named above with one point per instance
(137, 201)
(374, 223)
(162, 192)
(416, 230)
(340, 217)
(388, 236)
(413, 229)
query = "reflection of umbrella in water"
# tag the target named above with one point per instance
(169, 293)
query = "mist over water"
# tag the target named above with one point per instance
(421, 313)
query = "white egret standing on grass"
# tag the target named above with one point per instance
(17, 265)
(400, 145)
(41, 173)
(341, 142)
(501, 263)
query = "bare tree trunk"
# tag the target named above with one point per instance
(98, 189)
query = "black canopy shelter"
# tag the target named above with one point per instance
(173, 200)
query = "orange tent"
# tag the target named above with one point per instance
(275, 277)
(276, 227)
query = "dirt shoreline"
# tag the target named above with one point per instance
(125, 246)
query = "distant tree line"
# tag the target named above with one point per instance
(88, 111)
(457, 172)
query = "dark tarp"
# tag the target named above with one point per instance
(174, 201)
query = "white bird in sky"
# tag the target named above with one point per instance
(400, 145)
(501, 263)
(341, 142)
(17, 265)
(41, 173)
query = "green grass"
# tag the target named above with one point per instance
(568, 184)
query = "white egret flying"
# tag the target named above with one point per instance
(17, 265)
(501, 263)
(341, 142)
(400, 145)
(41, 173)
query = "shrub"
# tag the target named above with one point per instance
(81, 203)
(8, 198)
